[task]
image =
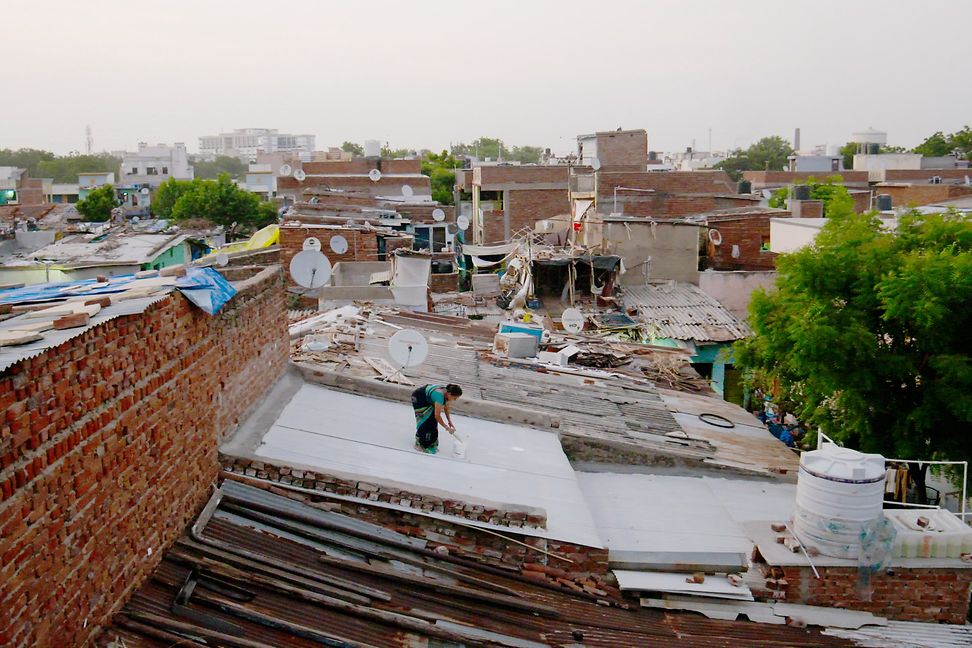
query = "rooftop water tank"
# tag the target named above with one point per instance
(839, 493)
(372, 148)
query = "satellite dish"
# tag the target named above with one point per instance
(572, 320)
(375, 175)
(596, 164)
(339, 244)
(407, 191)
(299, 175)
(135, 219)
(285, 170)
(462, 222)
(144, 191)
(312, 244)
(438, 215)
(716, 237)
(408, 348)
(310, 269)
(222, 259)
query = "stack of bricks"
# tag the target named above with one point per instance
(463, 540)
(108, 448)
(373, 492)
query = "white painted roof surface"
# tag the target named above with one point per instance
(658, 521)
(908, 634)
(372, 440)
(126, 249)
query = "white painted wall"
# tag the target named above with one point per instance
(673, 249)
(876, 165)
(734, 289)
(791, 234)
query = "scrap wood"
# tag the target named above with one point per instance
(14, 337)
(387, 371)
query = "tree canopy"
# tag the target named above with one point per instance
(769, 153)
(866, 334)
(97, 205)
(219, 201)
(63, 168)
(354, 149)
(210, 170)
(831, 192)
(494, 148)
(441, 169)
(939, 144)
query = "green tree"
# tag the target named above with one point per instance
(222, 202)
(939, 144)
(769, 153)
(25, 159)
(441, 169)
(524, 154)
(354, 149)
(97, 205)
(847, 151)
(67, 168)
(210, 170)
(866, 333)
(397, 153)
(168, 193)
(831, 192)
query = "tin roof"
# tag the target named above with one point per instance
(683, 311)
(258, 567)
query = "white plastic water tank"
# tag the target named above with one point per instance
(372, 148)
(839, 492)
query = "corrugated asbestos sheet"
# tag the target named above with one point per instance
(260, 570)
(682, 311)
(907, 634)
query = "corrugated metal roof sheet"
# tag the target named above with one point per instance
(682, 311)
(357, 584)
(907, 634)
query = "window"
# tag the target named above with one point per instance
(134, 170)
(151, 171)
(165, 170)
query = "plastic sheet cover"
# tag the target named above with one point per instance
(206, 288)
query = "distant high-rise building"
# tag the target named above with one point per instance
(249, 142)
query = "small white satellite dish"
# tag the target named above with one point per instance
(408, 348)
(407, 191)
(311, 243)
(285, 170)
(299, 175)
(310, 269)
(339, 244)
(375, 175)
(222, 259)
(144, 191)
(596, 163)
(462, 222)
(438, 215)
(135, 219)
(572, 320)
(716, 237)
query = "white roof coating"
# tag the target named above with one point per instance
(663, 520)
(371, 439)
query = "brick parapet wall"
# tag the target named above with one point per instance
(527, 207)
(462, 540)
(925, 175)
(763, 179)
(936, 595)
(503, 515)
(922, 194)
(362, 244)
(109, 448)
(748, 232)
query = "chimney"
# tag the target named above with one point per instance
(796, 140)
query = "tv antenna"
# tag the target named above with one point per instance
(339, 244)
(572, 320)
(309, 267)
(438, 215)
(407, 348)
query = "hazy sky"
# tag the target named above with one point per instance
(424, 74)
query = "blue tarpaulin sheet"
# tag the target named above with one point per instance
(51, 291)
(206, 288)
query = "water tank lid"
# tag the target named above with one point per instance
(843, 465)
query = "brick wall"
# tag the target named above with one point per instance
(489, 176)
(109, 448)
(672, 182)
(361, 166)
(925, 175)
(763, 179)
(628, 150)
(527, 206)
(748, 232)
(388, 185)
(362, 244)
(442, 282)
(464, 541)
(922, 194)
(930, 595)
